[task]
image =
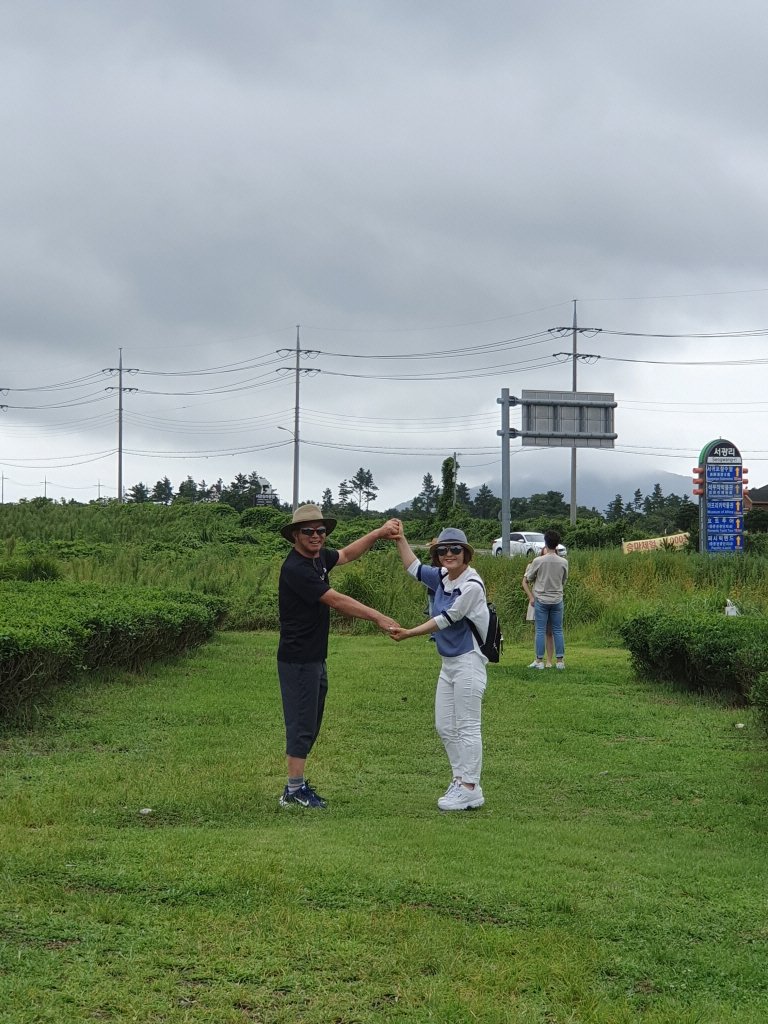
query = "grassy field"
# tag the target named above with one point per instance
(617, 873)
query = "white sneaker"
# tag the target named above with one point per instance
(459, 798)
(453, 784)
(537, 664)
(560, 665)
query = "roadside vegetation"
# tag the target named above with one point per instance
(229, 560)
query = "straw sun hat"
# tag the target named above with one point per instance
(306, 514)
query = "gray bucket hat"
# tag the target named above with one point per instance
(307, 514)
(451, 535)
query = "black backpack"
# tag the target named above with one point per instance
(493, 644)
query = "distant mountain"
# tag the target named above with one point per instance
(598, 490)
(592, 489)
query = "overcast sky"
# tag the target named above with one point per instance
(423, 187)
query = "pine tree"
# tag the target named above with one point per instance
(486, 505)
(363, 487)
(162, 492)
(615, 510)
(428, 496)
(345, 493)
(139, 494)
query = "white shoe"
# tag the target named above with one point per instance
(537, 664)
(459, 798)
(453, 784)
(560, 665)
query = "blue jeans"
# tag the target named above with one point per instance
(552, 614)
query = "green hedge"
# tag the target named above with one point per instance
(706, 653)
(49, 631)
(759, 697)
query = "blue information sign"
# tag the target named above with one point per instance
(724, 506)
(724, 490)
(719, 482)
(723, 542)
(720, 472)
(724, 524)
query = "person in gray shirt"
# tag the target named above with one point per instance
(544, 582)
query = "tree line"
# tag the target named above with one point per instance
(449, 499)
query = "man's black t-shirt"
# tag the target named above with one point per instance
(304, 619)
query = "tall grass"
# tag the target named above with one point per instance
(215, 550)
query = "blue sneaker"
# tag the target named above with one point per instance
(304, 796)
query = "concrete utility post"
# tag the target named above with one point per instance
(504, 432)
(297, 371)
(296, 426)
(119, 370)
(574, 359)
(574, 356)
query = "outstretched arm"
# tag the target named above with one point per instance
(400, 633)
(357, 610)
(407, 556)
(389, 531)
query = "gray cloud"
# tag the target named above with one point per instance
(189, 181)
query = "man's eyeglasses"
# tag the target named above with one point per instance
(310, 531)
(452, 549)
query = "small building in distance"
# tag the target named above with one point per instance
(268, 495)
(756, 498)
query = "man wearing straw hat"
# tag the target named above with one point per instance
(306, 599)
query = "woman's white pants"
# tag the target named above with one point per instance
(458, 707)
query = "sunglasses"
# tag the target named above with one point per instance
(310, 531)
(452, 549)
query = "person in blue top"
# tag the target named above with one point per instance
(457, 596)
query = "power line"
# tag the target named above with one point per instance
(757, 333)
(489, 346)
(247, 385)
(239, 367)
(487, 371)
(685, 362)
(77, 382)
(63, 405)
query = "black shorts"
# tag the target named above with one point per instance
(303, 687)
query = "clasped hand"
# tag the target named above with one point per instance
(398, 633)
(392, 529)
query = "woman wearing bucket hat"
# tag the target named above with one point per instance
(457, 597)
(305, 600)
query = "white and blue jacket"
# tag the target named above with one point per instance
(452, 603)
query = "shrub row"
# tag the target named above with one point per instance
(49, 631)
(705, 653)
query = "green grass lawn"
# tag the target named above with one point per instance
(618, 871)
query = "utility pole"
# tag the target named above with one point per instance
(455, 477)
(575, 356)
(297, 370)
(574, 360)
(120, 389)
(505, 433)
